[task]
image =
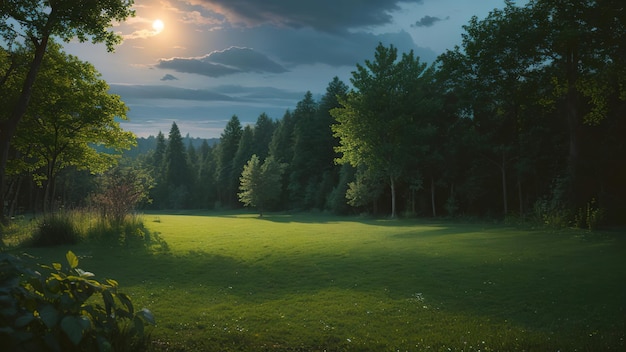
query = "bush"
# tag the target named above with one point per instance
(58, 311)
(55, 229)
(129, 232)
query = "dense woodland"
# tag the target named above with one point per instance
(526, 119)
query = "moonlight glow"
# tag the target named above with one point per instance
(158, 26)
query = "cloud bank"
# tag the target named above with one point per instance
(223, 62)
(321, 15)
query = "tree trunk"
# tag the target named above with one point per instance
(16, 195)
(504, 195)
(432, 196)
(393, 196)
(521, 199)
(572, 120)
(8, 127)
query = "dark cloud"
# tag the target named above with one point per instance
(224, 62)
(169, 77)
(428, 21)
(314, 47)
(322, 15)
(131, 92)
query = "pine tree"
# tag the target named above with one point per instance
(177, 174)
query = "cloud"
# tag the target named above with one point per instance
(133, 92)
(428, 21)
(322, 15)
(169, 77)
(223, 62)
(314, 47)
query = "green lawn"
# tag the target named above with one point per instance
(311, 282)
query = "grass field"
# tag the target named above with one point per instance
(237, 282)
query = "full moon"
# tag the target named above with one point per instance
(158, 26)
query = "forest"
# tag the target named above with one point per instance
(513, 124)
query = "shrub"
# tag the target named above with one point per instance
(129, 232)
(55, 229)
(58, 311)
(590, 217)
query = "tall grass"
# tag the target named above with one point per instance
(74, 226)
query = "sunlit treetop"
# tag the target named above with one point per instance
(37, 20)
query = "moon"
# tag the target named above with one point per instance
(158, 26)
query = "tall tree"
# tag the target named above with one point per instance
(304, 164)
(70, 114)
(226, 150)
(245, 150)
(157, 165)
(263, 131)
(33, 24)
(177, 174)
(375, 124)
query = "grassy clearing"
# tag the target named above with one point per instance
(305, 282)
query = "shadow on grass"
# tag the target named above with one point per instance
(571, 292)
(542, 282)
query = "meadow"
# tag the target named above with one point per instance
(237, 282)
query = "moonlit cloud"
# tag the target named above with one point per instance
(223, 62)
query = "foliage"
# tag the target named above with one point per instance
(590, 217)
(57, 310)
(55, 229)
(225, 152)
(377, 122)
(131, 232)
(121, 191)
(70, 114)
(260, 183)
(26, 23)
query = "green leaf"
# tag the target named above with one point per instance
(74, 327)
(125, 299)
(57, 266)
(104, 345)
(72, 260)
(112, 282)
(23, 320)
(107, 297)
(139, 325)
(49, 315)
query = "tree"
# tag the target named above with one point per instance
(121, 190)
(263, 130)
(177, 174)
(156, 163)
(32, 24)
(243, 154)
(260, 183)
(375, 124)
(226, 150)
(304, 164)
(71, 113)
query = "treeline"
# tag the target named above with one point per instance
(209, 176)
(517, 123)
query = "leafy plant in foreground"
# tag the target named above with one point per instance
(55, 311)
